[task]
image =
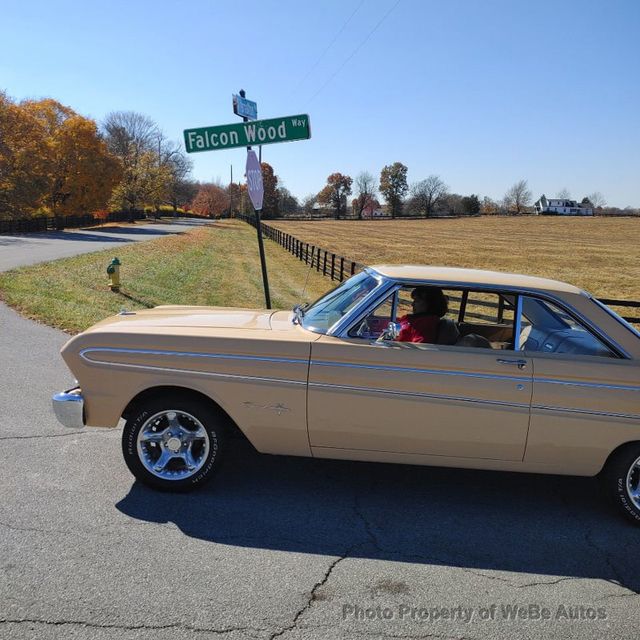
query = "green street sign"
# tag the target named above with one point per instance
(244, 134)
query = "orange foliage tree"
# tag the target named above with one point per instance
(80, 172)
(211, 200)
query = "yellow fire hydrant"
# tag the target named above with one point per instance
(114, 275)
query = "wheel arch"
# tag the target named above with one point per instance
(164, 391)
(616, 451)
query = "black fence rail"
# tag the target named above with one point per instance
(338, 267)
(58, 223)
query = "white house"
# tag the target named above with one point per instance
(562, 207)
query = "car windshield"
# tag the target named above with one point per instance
(325, 312)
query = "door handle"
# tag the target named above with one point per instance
(521, 364)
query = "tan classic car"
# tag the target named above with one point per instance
(517, 373)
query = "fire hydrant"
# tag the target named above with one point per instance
(114, 275)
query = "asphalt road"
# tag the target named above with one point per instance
(283, 547)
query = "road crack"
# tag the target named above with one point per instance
(134, 627)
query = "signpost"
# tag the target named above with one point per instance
(255, 187)
(244, 134)
(250, 131)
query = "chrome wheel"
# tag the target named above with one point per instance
(633, 482)
(173, 445)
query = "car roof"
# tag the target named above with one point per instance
(458, 276)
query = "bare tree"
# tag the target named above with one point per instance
(135, 139)
(518, 197)
(429, 194)
(597, 200)
(564, 194)
(366, 189)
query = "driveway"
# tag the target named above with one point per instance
(283, 547)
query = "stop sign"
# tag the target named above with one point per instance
(254, 180)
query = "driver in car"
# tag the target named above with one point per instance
(429, 305)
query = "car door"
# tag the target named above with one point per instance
(429, 399)
(586, 399)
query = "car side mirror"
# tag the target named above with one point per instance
(391, 332)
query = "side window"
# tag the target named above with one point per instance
(487, 319)
(547, 328)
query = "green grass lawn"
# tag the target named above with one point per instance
(216, 266)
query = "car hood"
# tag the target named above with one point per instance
(187, 316)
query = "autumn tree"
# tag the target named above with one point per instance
(489, 207)
(335, 193)
(518, 197)
(366, 190)
(81, 172)
(270, 199)
(211, 201)
(394, 187)
(428, 194)
(23, 160)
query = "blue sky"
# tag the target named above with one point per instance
(480, 92)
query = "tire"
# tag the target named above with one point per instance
(621, 480)
(173, 443)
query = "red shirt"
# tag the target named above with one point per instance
(418, 328)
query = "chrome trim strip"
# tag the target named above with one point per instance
(518, 324)
(186, 354)
(594, 385)
(417, 394)
(487, 376)
(606, 414)
(210, 374)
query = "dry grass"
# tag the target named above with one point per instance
(216, 266)
(598, 254)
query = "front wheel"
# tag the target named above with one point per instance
(173, 444)
(621, 478)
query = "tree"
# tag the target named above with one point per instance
(23, 160)
(393, 186)
(57, 161)
(489, 207)
(335, 193)
(211, 200)
(134, 139)
(597, 200)
(518, 197)
(308, 203)
(270, 199)
(366, 189)
(287, 202)
(564, 194)
(471, 205)
(428, 194)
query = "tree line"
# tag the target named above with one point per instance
(428, 197)
(54, 161)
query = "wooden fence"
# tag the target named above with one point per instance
(338, 267)
(58, 223)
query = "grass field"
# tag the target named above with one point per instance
(598, 254)
(217, 265)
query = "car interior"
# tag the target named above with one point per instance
(486, 320)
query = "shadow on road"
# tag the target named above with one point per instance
(546, 525)
(82, 236)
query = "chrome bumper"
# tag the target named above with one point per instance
(69, 408)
